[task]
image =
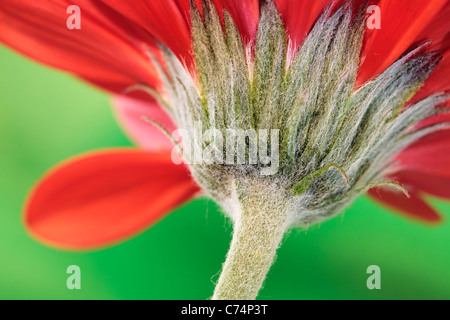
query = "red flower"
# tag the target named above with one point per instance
(107, 196)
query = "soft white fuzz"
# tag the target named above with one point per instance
(335, 143)
(259, 226)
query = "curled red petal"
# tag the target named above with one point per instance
(414, 207)
(101, 198)
(106, 50)
(131, 114)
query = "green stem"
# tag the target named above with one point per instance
(258, 231)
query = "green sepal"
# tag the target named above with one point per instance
(304, 184)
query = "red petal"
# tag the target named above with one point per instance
(104, 51)
(403, 23)
(431, 184)
(130, 113)
(428, 155)
(245, 14)
(439, 80)
(104, 197)
(413, 207)
(439, 32)
(185, 8)
(437, 119)
(299, 16)
(166, 20)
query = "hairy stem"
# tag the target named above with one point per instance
(258, 230)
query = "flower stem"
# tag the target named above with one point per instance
(258, 231)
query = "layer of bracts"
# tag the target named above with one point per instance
(334, 143)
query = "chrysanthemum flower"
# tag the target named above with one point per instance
(357, 110)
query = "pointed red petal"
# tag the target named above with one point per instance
(104, 197)
(413, 207)
(104, 51)
(299, 16)
(185, 8)
(245, 14)
(403, 23)
(130, 113)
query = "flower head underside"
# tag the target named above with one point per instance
(335, 141)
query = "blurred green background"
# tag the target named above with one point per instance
(46, 117)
